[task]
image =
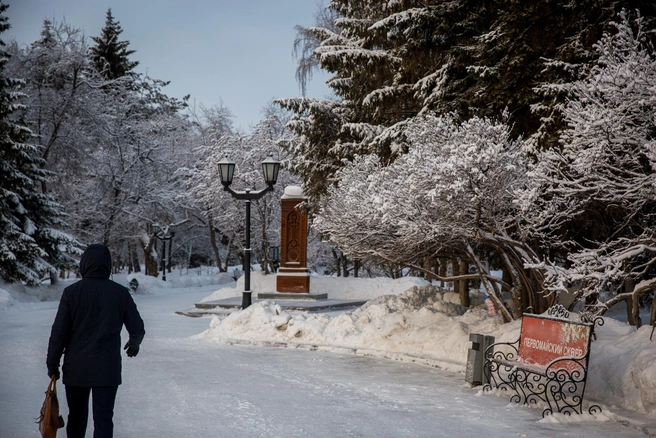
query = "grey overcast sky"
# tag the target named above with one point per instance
(235, 51)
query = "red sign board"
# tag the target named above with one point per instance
(544, 340)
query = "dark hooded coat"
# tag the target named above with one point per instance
(87, 328)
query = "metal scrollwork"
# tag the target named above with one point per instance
(558, 311)
(559, 386)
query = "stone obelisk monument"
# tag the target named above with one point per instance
(293, 275)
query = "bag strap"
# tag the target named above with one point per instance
(52, 387)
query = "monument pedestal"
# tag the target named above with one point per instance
(293, 280)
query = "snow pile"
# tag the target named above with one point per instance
(623, 366)
(336, 287)
(418, 324)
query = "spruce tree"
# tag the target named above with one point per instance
(109, 55)
(31, 246)
(392, 61)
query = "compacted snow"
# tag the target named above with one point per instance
(222, 376)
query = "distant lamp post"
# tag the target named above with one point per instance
(270, 168)
(164, 234)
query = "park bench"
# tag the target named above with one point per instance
(547, 365)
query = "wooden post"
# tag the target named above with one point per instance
(293, 275)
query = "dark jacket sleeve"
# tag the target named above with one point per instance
(60, 333)
(133, 322)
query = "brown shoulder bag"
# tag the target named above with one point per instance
(49, 418)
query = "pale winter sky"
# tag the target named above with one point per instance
(235, 51)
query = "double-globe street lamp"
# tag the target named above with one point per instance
(164, 234)
(270, 168)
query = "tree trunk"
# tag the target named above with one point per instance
(491, 289)
(150, 256)
(652, 316)
(170, 256)
(265, 263)
(630, 313)
(519, 297)
(345, 263)
(632, 305)
(215, 247)
(134, 256)
(443, 264)
(228, 252)
(338, 262)
(463, 286)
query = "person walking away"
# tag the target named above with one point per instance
(87, 332)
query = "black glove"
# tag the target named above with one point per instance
(131, 350)
(53, 372)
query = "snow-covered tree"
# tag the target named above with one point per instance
(594, 198)
(247, 151)
(60, 86)
(392, 60)
(109, 55)
(449, 196)
(212, 126)
(124, 136)
(32, 243)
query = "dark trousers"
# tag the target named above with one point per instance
(103, 400)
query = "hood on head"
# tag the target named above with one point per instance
(96, 262)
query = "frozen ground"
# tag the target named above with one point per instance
(189, 380)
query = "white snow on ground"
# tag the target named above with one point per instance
(404, 319)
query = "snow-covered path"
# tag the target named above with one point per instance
(182, 387)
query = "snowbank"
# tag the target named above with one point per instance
(623, 367)
(421, 324)
(336, 287)
(13, 293)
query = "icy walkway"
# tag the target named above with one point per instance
(181, 387)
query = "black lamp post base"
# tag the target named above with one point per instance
(246, 299)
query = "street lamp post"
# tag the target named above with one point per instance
(164, 234)
(270, 168)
